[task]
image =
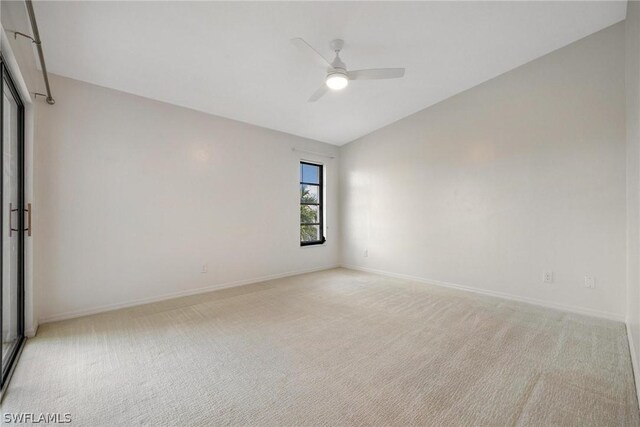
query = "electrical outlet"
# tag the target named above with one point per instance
(589, 282)
(204, 268)
(365, 253)
(547, 277)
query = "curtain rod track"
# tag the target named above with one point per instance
(315, 153)
(38, 43)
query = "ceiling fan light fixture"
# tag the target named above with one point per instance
(337, 81)
(337, 77)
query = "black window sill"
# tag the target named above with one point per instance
(319, 242)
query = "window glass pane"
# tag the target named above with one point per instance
(310, 174)
(309, 214)
(11, 331)
(309, 193)
(311, 204)
(309, 233)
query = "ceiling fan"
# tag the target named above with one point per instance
(337, 75)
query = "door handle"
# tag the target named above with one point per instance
(28, 229)
(11, 211)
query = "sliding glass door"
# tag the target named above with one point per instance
(12, 217)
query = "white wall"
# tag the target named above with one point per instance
(488, 189)
(133, 196)
(633, 181)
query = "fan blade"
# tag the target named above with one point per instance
(301, 44)
(319, 93)
(376, 74)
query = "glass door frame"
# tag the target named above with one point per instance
(6, 367)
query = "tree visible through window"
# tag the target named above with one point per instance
(311, 204)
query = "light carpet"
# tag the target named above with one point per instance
(336, 347)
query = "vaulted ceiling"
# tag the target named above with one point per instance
(235, 59)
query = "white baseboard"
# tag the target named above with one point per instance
(634, 362)
(30, 333)
(503, 295)
(172, 295)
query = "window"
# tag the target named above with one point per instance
(311, 205)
